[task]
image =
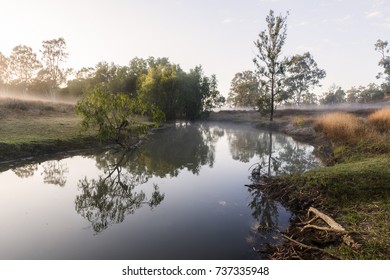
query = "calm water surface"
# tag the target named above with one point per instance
(180, 196)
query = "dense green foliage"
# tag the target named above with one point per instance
(178, 94)
(244, 90)
(115, 96)
(161, 89)
(112, 114)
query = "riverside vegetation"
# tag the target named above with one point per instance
(120, 103)
(354, 188)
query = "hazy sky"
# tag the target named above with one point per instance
(217, 34)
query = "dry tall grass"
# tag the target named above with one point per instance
(341, 126)
(349, 129)
(380, 120)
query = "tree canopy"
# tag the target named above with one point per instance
(302, 75)
(53, 56)
(244, 89)
(383, 48)
(268, 60)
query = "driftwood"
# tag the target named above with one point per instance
(333, 226)
(329, 226)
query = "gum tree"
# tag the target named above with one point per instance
(53, 56)
(383, 48)
(268, 61)
(244, 89)
(23, 64)
(303, 74)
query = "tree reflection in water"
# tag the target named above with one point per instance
(277, 154)
(264, 210)
(294, 159)
(25, 171)
(109, 198)
(112, 196)
(54, 172)
(265, 229)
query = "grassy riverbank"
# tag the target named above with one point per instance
(35, 128)
(354, 189)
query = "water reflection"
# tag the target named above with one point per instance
(110, 197)
(25, 171)
(277, 154)
(264, 210)
(191, 175)
(184, 147)
(54, 172)
(295, 159)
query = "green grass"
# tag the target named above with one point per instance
(356, 194)
(359, 192)
(33, 128)
(37, 129)
(356, 188)
(353, 182)
(30, 128)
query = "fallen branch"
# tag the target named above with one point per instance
(322, 228)
(309, 247)
(332, 224)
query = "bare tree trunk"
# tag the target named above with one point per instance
(272, 98)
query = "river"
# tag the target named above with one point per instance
(181, 195)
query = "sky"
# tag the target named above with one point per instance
(217, 34)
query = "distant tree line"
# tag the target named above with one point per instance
(291, 80)
(154, 83)
(362, 94)
(22, 71)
